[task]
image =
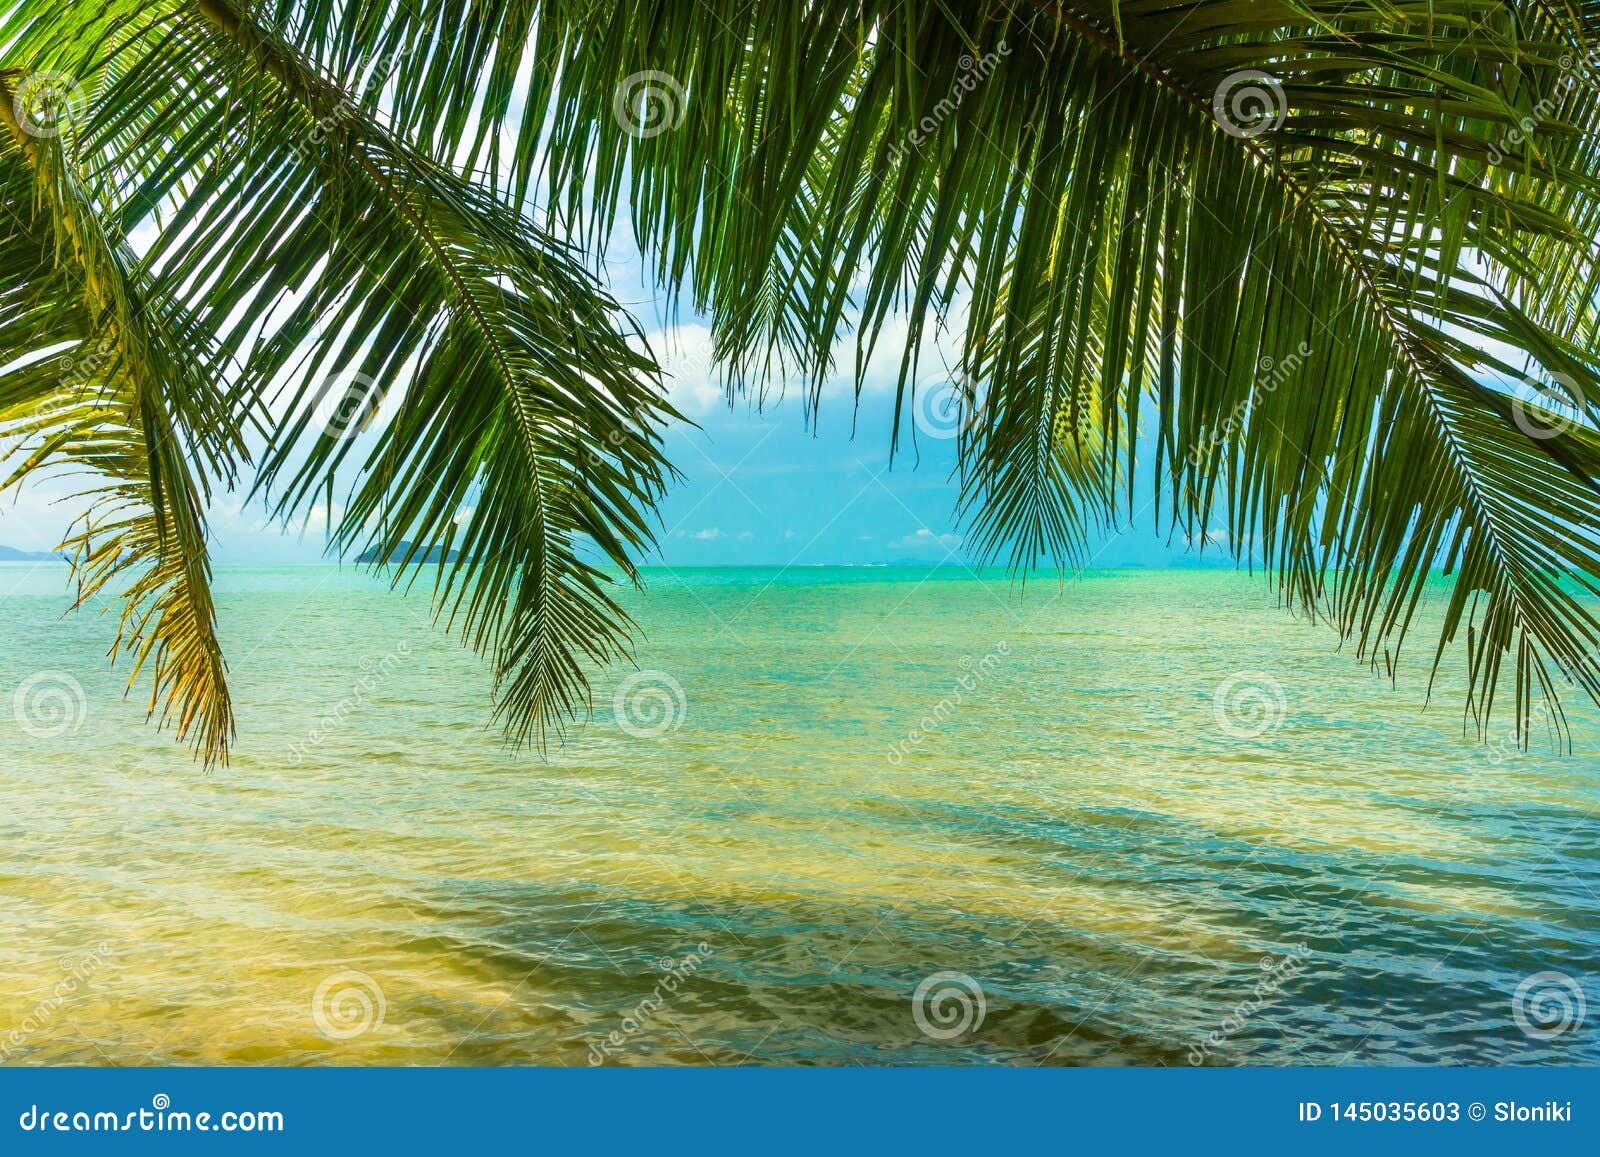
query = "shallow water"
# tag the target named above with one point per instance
(872, 779)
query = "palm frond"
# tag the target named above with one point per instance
(1307, 300)
(1299, 261)
(129, 402)
(368, 275)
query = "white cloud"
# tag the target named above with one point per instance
(37, 515)
(925, 539)
(685, 355)
(143, 236)
(707, 534)
(228, 513)
(937, 354)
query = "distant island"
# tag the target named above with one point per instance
(399, 553)
(12, 554)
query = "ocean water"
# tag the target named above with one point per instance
(837, 816)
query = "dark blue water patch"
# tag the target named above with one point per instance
(825, 982)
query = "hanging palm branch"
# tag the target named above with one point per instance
(364, 269)
(1325, 271)
(135, 407)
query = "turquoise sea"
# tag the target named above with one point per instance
(854, 816)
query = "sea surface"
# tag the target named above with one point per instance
(854, 816)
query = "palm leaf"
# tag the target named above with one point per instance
(131, 403)
(367, 272)
(1310, 327)
(1421, 193)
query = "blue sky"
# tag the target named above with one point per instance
(759, 486)
(760, 489)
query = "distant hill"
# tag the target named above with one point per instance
(12, 554)
(398, 555)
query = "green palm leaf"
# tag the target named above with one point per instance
(1421, 192)
(367, 272)
(133, 405)
(1297, 262)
